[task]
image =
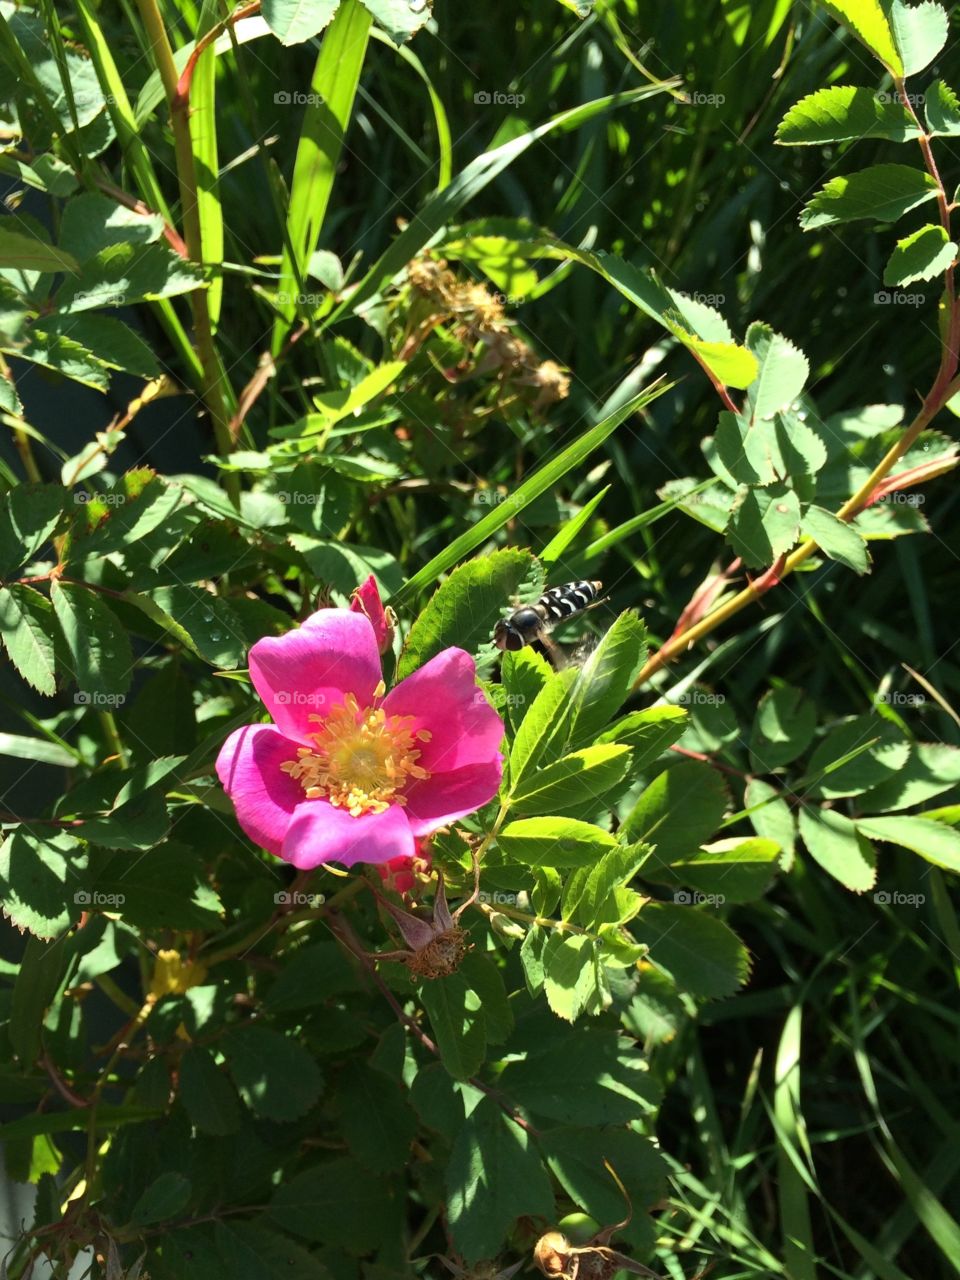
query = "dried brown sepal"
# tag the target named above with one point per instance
(436, 946)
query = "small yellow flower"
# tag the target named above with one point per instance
(171, 977)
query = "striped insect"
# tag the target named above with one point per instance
(531, 623)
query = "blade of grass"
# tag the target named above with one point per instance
(558, 544)
(335, 80)
(203, 135)
(468, 183)
(939, 1224)
(645, 518)
(444, 141)
(796, 1227)
(543, 479)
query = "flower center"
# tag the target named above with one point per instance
(361, 759)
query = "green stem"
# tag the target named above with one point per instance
(214, 386)
(134, 1026)
(109, 725)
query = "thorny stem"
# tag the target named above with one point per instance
(130, 1031)
(946, 384)
(342, 931)
(213, 388)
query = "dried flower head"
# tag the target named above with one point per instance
(436, 947)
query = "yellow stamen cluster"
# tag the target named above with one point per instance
(361, 760)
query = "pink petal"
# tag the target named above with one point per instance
(444, 797)
(443, 698)
(263, 795)
(320, 832)
(308, 670)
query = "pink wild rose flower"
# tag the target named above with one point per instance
(347, 772)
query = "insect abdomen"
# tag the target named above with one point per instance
(563, 601)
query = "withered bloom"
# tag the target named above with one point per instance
(436, 946)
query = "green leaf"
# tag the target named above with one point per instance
(782, 371)
(42, 969)
(139, 823)
(375, 1119)
(773, 819)
(571, 975)
(942, 110)
(203, 140)
(456, 1017)
(594, 894)
(871, 763)
(649, 732)
(108, 1117)
(605, 680)
(843, 113)
(576, 1158)
(919, 31)
(276, 1077)
(485, 979)
(29, 515)
(125, 273)
(783, 728)
(592, 1078)
(764, 524)
(554, 842)
(882, 193)
(164, 888)
(27, 628)
(701, 954)
(680, 809)
(931, 769)
(213, 626)
(868, 21)
(65, 356)
(760, 452)
(108, 340)
(166, 1197)
(98, 644)
(21, 252)
(400, 19)
(337, 1204)
(833, 841)
(523, 674)
(39, 749)
(730, 870)
(42, 880)
(206, 1093)
(310, 976)
(656, 1013)
(574, 782)
(920, 256)
(92, 222)
(937, 843)
(494, 1176)
(836, 538)
(464, 609)
(539, 738)
(249, 1252)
